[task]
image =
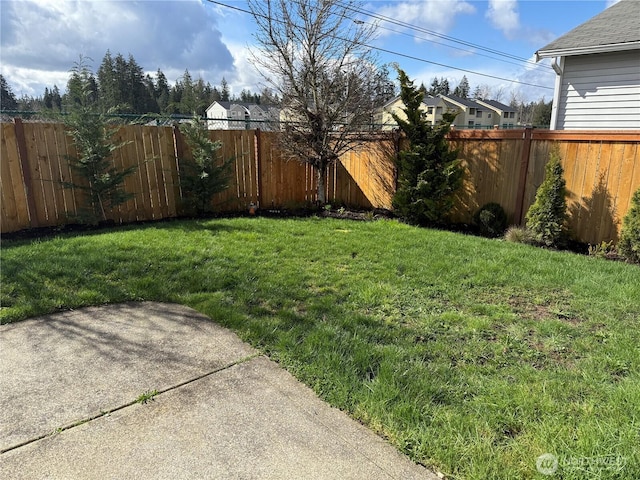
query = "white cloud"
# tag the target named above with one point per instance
(503, 15)
(437, 15)
(44, 36)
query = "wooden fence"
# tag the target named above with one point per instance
(602, 170)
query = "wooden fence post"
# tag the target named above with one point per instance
(522, 179)
(178, 144)
(26, 172)
(258, 145)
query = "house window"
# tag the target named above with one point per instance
(472, 111)
(478, 113)
(430, 111)
(506, 114)
(471, 124)
(488, 114)
(512, 114)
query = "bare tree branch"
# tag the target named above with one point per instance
(317, 60)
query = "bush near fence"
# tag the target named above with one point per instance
(602, 171)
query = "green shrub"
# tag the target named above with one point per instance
(205, 174)
(546, 217)
(491, 220)
(629, 245)
(603, 250)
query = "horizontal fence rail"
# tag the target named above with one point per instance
(602, 171)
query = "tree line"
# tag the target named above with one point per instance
(120, 86)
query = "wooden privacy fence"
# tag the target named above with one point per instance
(602, 170)
(34, 165)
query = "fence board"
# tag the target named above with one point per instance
(14, 195)
(169, 168)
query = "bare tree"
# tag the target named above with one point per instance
(317, 61)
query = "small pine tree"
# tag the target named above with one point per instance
(429, 172)
(546, 217)
(92, 137)
(204, 175)
(629, 245)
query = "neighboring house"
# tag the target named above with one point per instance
(240, 116)
(504, 116)
(433, 107)
(470, 113)
(598, 71)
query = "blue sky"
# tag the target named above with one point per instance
(41, 39)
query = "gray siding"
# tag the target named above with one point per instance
(600, 92)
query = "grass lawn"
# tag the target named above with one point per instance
(472, 356)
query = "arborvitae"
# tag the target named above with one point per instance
(546, 217)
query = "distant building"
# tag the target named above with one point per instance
(241, 116)
(470, 114)
(505, 116)
(433, 108)
(598, 72)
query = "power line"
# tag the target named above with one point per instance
(436, 34)
(519, 63)
(391, 52)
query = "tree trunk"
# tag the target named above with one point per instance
(322, 182)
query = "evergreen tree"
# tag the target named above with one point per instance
(205, 174)
(137, 94)
(82, 88)
(162, 92)
(188, 102)
(224, 91)
(94, 145)
(630, 235)
(462, 90)
(444, 87)
(150, 94)
(428, 171)
(8, 100)
(47, 99)
(434, 89)
(56, 98)
(547, 215)
(108, 84)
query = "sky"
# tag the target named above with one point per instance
(40, 40)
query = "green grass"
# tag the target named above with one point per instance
(472, 356)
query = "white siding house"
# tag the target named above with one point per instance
(240, 116)
(598, 72)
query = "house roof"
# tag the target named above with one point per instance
(496, 105)
(462, 101)
(427, 100)
(614, 29)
